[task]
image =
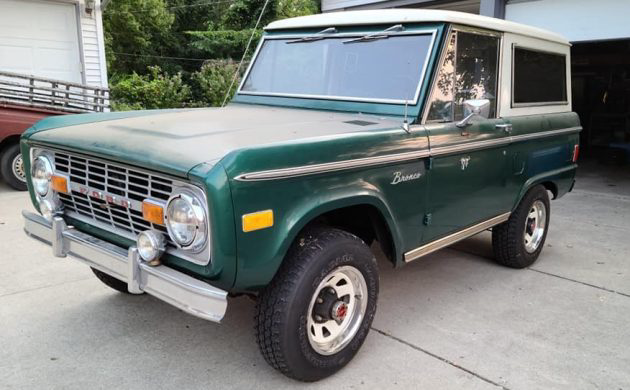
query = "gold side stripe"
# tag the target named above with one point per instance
(453, 238)
(331, 167)
(285, 173)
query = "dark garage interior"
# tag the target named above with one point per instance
(601, 97)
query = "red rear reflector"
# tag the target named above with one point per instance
(576, 152)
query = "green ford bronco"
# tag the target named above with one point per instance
(406, 129)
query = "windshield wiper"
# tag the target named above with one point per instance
(379, 35)
(320, 35)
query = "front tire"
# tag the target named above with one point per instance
(517, 243)
(12, 167)
(314, 316)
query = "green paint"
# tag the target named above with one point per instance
(211, 147)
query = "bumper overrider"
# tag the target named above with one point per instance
(176, 288)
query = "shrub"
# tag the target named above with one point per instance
(153, 90)
(213, 81)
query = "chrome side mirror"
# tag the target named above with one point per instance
(474, 108)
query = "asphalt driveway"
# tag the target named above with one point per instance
(451, 320)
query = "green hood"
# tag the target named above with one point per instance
(175, 141)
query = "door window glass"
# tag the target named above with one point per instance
(469, 72)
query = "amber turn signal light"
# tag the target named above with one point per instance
(258, 220)
(153, 212)
(59, 184)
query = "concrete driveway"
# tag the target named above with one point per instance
(449, 321)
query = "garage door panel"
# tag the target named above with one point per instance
(16, 59)
(581, 20)
(40, 38)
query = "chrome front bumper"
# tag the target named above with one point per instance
(180, 290)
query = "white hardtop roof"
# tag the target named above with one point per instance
(406, 15)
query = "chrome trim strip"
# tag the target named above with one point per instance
(453, 238)
(548, 133)
(176, 288)
(474, 145)
(331, 167)
(313, 169)
(442, 150)
(432, 32)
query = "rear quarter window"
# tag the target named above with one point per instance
(539, 77)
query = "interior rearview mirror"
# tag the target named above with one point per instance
(479, 108)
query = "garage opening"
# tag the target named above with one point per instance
(601, 97)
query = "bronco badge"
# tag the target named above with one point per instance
(399, 177)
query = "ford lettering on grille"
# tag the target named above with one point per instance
(108, 198)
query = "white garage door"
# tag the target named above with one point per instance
(40, 38)
(577, 20)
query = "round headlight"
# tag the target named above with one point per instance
(150, 246)
(41, 172)
(186, 221)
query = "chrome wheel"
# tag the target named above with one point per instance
(17, 167)
(535, 225)
(336, 310)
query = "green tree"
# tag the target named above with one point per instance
(135, 31)
(292, 8)
(229, 38)
(175, 53)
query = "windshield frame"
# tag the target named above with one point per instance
(420, 31)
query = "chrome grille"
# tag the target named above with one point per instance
(116, 180)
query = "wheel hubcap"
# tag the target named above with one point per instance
(535, 225)
(17, 166)
(337, 309)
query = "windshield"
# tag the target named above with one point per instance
(345, 68)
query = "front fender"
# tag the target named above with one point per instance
(260, 253)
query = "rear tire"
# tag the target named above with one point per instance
(111, 281)
(314, 316)
(517, 243)
(12, 167)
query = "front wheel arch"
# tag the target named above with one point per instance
(383, 223)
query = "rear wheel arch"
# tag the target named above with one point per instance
(551, 187)
(549, 184)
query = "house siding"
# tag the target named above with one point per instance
(93, 46)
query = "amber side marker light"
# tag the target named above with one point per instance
(153, 212)
(258, 220)
(59, 184)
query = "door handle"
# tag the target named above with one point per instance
(506, 127)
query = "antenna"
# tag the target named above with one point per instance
(405, 125)
(238, 69)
